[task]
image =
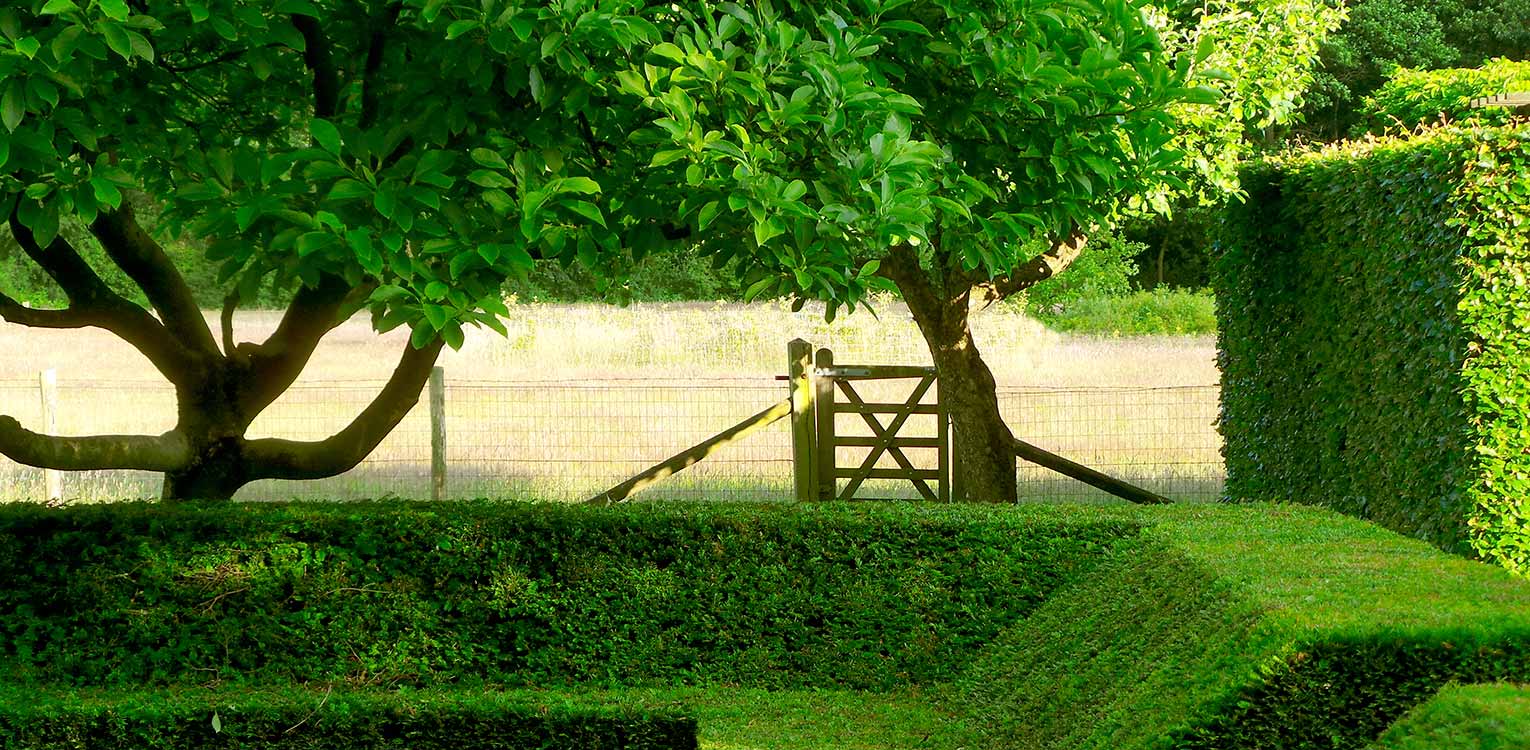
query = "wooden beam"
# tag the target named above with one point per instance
(874, 372)
(910, 475)
(869, 408)
(1124, 490)
(823, 403)
(693, 455)
(799, 360)
(1515, 99)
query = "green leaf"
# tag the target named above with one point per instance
(5, 150)
(423, 334)
(325, 134)
(348, 189)
(708, 214)
(489, 158)
(582, 185)
(12, 106)
(28, 46)
(217, 723)
(140, 45)
(534, 80)
(452, 333)
(668, 157)
(586, 209)
(312, 242)
(458, 28)
(54, 7)
(669, 51)
(106, 193)
(489, 179)
(117, 39)
(117, 10)
(794, 190)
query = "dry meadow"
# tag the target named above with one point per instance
(578, 397)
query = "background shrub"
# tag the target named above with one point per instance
(1411, 98)
(1374, 348)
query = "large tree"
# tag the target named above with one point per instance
(407, 156)
(399, 156)
(962, 151)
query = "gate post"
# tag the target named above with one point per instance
(823, 403)
(799, 356)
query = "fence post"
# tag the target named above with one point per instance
(52, 481)
(799, 355)
(438, 433)
(823, 404)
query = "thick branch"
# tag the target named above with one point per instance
(276, 363)
(167, 452)
(146, 263)
(14, 312)
(1055, 260)
(226, 321)
(375, 49)
(92, 303)
(272, 458)
(320, 60)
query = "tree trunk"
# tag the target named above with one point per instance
(982, 454)
(216, 473)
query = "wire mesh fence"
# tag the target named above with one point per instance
(568, 440)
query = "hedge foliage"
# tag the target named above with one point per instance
(1282, 628)
(511, 594)
(1465, 717)
(289, 719)
(1374, 303)
(1411, 98)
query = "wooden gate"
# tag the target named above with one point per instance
(825, 392)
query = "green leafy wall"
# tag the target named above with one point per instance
(1375, 335)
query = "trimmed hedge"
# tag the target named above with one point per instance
(1374, 303)
(1283, 628)
(512, 594)
(1472, 717)
(318, 720)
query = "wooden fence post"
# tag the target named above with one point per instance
(438, 433)
(52, 481)
(823, 403)
(799, 355)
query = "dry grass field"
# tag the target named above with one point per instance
(578, 397)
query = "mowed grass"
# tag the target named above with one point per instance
(579, 397)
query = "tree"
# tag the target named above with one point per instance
(1381, 35)
(400, 157)
(959, 151)
(407, 156)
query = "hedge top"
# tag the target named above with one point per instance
(1470, 717)
(1331, 575)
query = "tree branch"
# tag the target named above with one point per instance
(14, 312)
(320, 59)
(276, 363)
(375, 48)
(168, 452)
(1055, 260)
(146, 263)
(92, 303)
(273, 458)
(226, 321)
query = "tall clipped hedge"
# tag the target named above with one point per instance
(1374, 303)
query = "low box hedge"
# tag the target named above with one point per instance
(298, 719)
(1283, 628)
(1465, 717)
(519, 594)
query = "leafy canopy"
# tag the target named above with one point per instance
(433, 149)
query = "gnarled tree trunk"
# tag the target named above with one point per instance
(219, 393)
(939, 300)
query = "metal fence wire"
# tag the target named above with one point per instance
(569, 440)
